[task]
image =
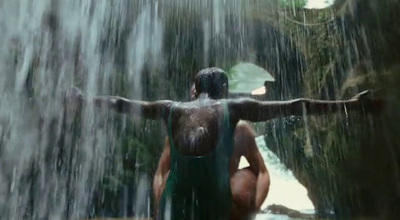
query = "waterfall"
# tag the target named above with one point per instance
(50, 163)
(48, 168)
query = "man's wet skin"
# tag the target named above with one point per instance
(195, 126)
(243, 182)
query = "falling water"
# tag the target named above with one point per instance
(48, 168)
(52, 162)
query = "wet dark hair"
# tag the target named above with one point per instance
(212, 81)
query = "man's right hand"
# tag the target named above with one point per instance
(362, 95)
(370, 104)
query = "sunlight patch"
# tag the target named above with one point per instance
(318, 4)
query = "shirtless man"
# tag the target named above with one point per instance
(249, 186)
(201, 134)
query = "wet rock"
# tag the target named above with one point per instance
(282, 210)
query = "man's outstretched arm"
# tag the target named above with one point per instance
(256, 111)
(150, 110)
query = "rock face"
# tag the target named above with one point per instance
(282, 210)
(349, 163)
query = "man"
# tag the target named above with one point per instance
(249, 186)
(201, 134)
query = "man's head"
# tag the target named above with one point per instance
(212, 81)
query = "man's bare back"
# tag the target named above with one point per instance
(196, 126)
